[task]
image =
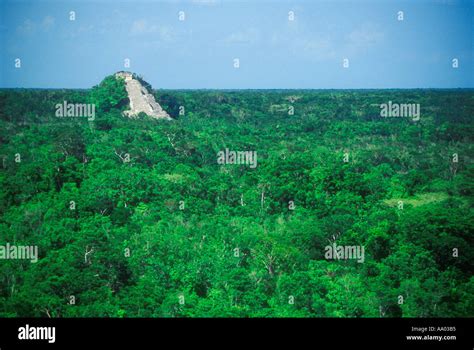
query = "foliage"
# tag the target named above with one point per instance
(183, 261)
(110, 93)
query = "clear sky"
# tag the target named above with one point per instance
(273, 51)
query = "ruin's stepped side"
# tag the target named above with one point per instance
(141, 100)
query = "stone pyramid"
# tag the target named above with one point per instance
(141, 100)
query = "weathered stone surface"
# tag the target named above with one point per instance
(141, 100)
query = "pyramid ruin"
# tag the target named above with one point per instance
(141, 100)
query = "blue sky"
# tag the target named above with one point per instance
(273, 51)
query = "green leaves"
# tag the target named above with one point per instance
(158, 229)
(109, 94)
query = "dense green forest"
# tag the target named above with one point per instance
(136, 218)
